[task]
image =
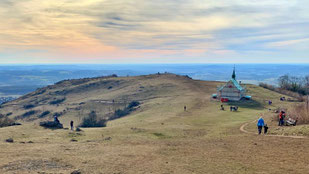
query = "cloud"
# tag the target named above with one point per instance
(121, 29)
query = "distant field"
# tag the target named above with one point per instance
(17, 90)
(25, 78)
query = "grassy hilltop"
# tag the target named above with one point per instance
(158, 137)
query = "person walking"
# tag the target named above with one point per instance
(72, 124)
(265, 129)
(260, 124)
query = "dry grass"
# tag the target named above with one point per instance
(300, 112)
(160, 137)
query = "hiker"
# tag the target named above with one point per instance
(260, 124)
(235, 108)
(56, 119)
(283, 117)
(185, 108)
(270, 102)
(72, 123)
(222, 107)
(265, 129)
(280, 118)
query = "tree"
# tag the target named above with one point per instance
(284, 82)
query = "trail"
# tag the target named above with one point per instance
(242, 129)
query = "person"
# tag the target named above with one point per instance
(270, 102)
(231, 108)
(265, 129)
(235, 108)
(222, 107)
(185, 108)
(56, 119)
(72, 123)
(260, 124)
(280, 118)
(283, 117)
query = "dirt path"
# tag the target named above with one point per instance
(242, 129)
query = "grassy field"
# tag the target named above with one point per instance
(160, 137)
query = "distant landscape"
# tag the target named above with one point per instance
(17, 80)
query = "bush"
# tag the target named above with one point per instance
(28, 106)
(126, 111)
(120, 113)
(51, 125)
(57, 114)
(133, 104)
(282, 91)
(299, 112)
(78, 129)
(57, 101)
(44, 114)
(5, 121)
(93, 121)
(28, 114)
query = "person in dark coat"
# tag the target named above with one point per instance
(265, 129)
(56, 119)
(72, 125)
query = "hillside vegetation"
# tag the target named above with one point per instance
(158, 136)
(75, 99)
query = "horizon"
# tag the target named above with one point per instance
(96, 64)
(154, 32)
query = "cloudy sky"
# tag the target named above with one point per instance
(154, 31)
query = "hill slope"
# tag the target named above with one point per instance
(74, 99)
(159, 137)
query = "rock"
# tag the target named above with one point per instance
(108, 138)
(76, 172)
(51, 125)
(78, 129)
(9, 140)
(30, 141)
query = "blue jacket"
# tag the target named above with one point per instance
(260, 122)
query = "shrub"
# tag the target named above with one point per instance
(57, 101)
(133, 104)
(5, 121)
(93, 121)
(51, 125)
(126, 111)
(78, 129)
(28, 106)
(29, 113)
(57, 114)
(44, 114)
(299, 112)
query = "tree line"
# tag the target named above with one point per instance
(295, 84)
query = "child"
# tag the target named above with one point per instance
(265, 129)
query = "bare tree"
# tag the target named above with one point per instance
(284, 81)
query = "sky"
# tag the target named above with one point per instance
(154, 31)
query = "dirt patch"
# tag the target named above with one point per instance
(35, 165)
